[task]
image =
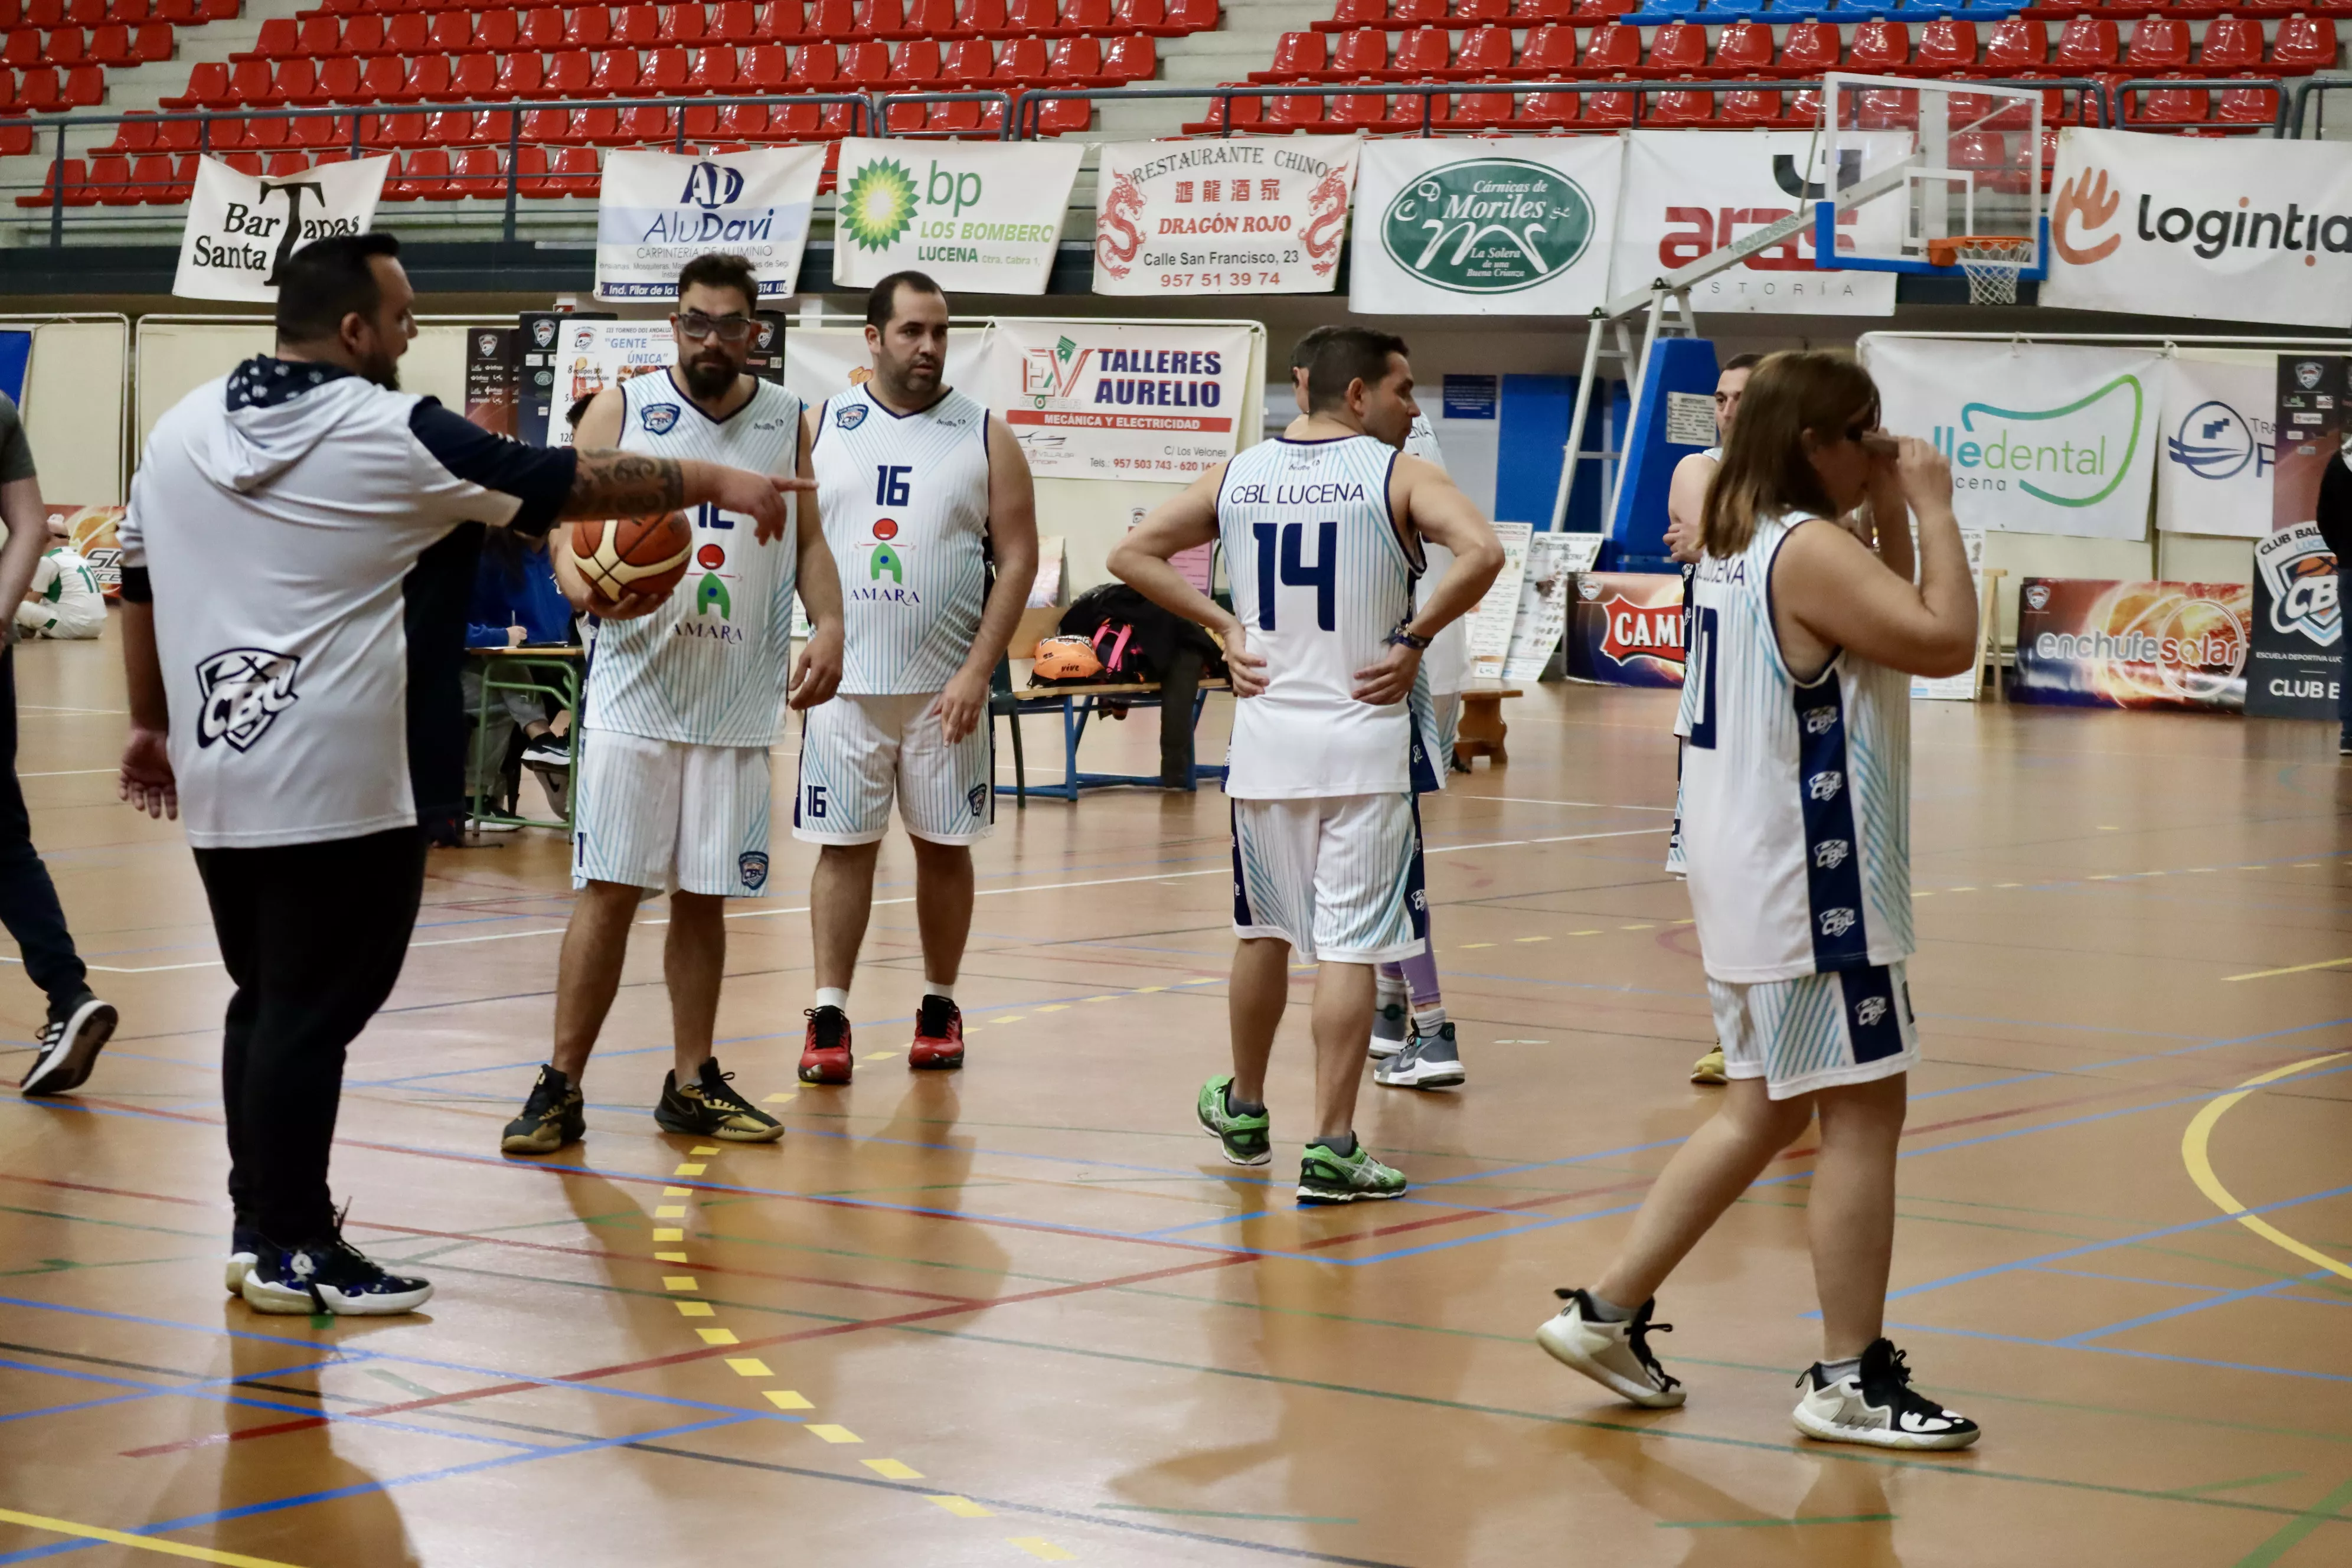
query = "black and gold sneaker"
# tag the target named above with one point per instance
(553, 1117)
(709, 1108)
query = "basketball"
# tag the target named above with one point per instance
(642, 555)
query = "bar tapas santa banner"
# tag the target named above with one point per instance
(241, 226)
(2089, 643)
(1625, 628)
(1245, 215)
(1102, 401)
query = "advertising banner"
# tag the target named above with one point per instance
(1626, 629)
(658, 211)
(1543, 604)
(593, 355)
(1246, 214)
(1089, 401)
(493, 379)
(2041, 439)
(1690, 192)
(1492, 623)
(240, 226)
(1513, 226)
(2083, 644)
(980, 216)
(89, 530)
(2226, 229)
(2213, 474)
(2298, 644)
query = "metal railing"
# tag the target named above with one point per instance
(2122, 94)
(2304, 93)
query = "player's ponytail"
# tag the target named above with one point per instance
(1766, 470)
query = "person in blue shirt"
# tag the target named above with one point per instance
(517, 601)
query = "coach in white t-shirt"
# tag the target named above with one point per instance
(273, 516)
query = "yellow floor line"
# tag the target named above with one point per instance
(1039, 1547)
(893, 1469)
(2200, 1167)
(137, 1542)
(961, 1507)
(2292, 969)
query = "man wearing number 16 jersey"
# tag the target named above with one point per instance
(919, 494)
(1322, 531)
(686, 695)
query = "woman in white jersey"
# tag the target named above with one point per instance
(1796, 719)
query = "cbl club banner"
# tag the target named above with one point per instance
(242, 226)
(1247, 214)
(1626, 629)
(2298, 621)
(1518, 226)
(982, 217)
(657, 211)
(1099, 402)
(2083, 644)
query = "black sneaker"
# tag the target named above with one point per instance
(553, 1117)
(1876, 1405)
(244, 1246)
(69, 1043)
(709, 1108)
(327, 1274)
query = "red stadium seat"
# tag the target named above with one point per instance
(2158, 44)
(1065, 117)
(817, 67)
(298, 83)
(714, 69)
(916, 65)
(1880, 45)
(1421, 56)
(1487, 50)
(589, 28)
(664, 71)
(1297, 55)
(74, 185)
(423, 172)
(638, 26)
(542, 28)
(2232, 44)
(599, 126)
(1192, 15)
(1474, 12)
(150, 42)
(1888, 109)
(1812, 48)
(744, 122)
(1481, 109)
(363, 35)
(1750, 106)
(878, 19)
(1679, 46)
(286, 165)
(1422, 12)
(450, 128)
(2016, 45)
(613, 74)
(1364, 52)
(1022, 59)
(1614, 47)
(681, 23)
(136, 134)
(546, 124)
(318, 36)
(779, 20)
(2305, 44)
(766, 68)
(521, 76)
(1537, 13)
(280, 38)
(734, 22)
(110, 177)
(497, 32)
(252, 82)
(452, 32)
(1031, 15)
(1550, 51)
(152, 176)
(571, 74)
(2087, 44)
(428, 80)
(1552, 108)
(1745, 46)
(405, 33)
(575, 172)
(2164, 106)
(476, 77)
(1131, 58)
(867, 62)
(1086, 16)
(475, 172)
(1141, 16)
(1685, 107)
(1946, 44)
(266, 135)
(111, 45)
(1609, 110)
(834, 19)
(646, 122)
(2247, 105)
(1360, 112)
(968, 64)
(66, 47)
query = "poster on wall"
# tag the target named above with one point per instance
(2226, 229)
(2041, 439)
(89, 530)
(493, 379)
(2220, 441)
(241, 226)
(821, 362)
(1244, 215)
(2086, 644)
(1516, 226)
(1543, 603)
(2298, 626)
(593, 355)
(539, 340)
(1689, 192)
(658, 211)
(1626, 629)
(980, 216)
(1095, 401)
(1498, 610)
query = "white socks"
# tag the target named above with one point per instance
(828, 997)
(943, 989)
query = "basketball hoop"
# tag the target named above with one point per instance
(1991, 262)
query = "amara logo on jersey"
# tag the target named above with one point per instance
(659, 418)
(244, 690)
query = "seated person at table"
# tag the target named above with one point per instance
(516, 602)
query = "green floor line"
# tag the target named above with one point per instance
(1220, 1514)
(2320, 1512)
(1751, 1523)
(2233, 1486)
(109, 1224)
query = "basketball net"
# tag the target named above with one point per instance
(1991, 263)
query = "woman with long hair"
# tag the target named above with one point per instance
(1806, 627)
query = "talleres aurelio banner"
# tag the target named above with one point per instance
(1516, 226)
(1090, 400)
(2041, 439)
(242, 226)
(1245, 215)
(982, 217)
(658, 211)
(2229, 230)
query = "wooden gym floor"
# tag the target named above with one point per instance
(1024, 1312)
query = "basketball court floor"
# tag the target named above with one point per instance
(1024, 1313)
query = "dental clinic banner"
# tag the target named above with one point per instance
(240, 226)
(1516, 225)
(1244, 215)
(2230, 230)
(981, 217)
(1102, 401)
(2220, 444)
(657, 211)
(2041, 439)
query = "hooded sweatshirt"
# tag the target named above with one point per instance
(273, 516)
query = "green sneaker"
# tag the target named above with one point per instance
(1244, 1138)
(1325, 1177)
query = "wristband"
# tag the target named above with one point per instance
(1403, 639)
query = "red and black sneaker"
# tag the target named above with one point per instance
(938, 1035)
(825, 1054)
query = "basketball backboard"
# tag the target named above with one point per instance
(1970, 154)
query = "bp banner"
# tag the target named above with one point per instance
(1247, 214)
(240, 226)
(2234, 230)
(981, 217)
(2041, 439)
(1518, 226)
(592, 355)
(2220, 443)
(1689, 192)
(1099, 400)
(658, 211)
(2083, 644)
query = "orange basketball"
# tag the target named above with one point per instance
(645, 556)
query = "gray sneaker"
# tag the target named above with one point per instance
(1429, 1062)
(1391, 1027)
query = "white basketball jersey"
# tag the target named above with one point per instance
(1796, 799)
(1320, 579)
(712, 665)
(905, 502)
(1447, 662)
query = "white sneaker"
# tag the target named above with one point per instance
(1876, 1405)
(1384, 1044)
(1429, 1061)
(1614, 1355)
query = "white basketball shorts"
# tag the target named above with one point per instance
(1338, 877)
(859, 753)
(671, 816)
(1817, 1031)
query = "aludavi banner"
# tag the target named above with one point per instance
(981, 218)
(658, 211)
(1516, 226)
(1244, 215)
(241, 226)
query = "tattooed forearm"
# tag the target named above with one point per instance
(624, 484)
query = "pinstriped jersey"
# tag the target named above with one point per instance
(1796, 798)
(904, 503)
(712, 665)
(1320, 579)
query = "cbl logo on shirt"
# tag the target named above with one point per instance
(1488, 225)
(659, 418)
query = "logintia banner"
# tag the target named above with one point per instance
(1099, 401)
(657, 211)
(981, 217)
(2220, 444)
(1690, 192)
(2041, 439)
(241, 226)
(1518, 226)
(1248, 214)
(2229, 229)
(2083, 644)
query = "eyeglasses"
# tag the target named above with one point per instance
(726, 329)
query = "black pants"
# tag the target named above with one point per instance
(28, 900)
(313, 936)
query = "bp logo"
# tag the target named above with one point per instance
(1488, 225)
(659, 417)
(877, 205)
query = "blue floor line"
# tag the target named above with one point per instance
(2269, 1287)
(2121, 1350)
